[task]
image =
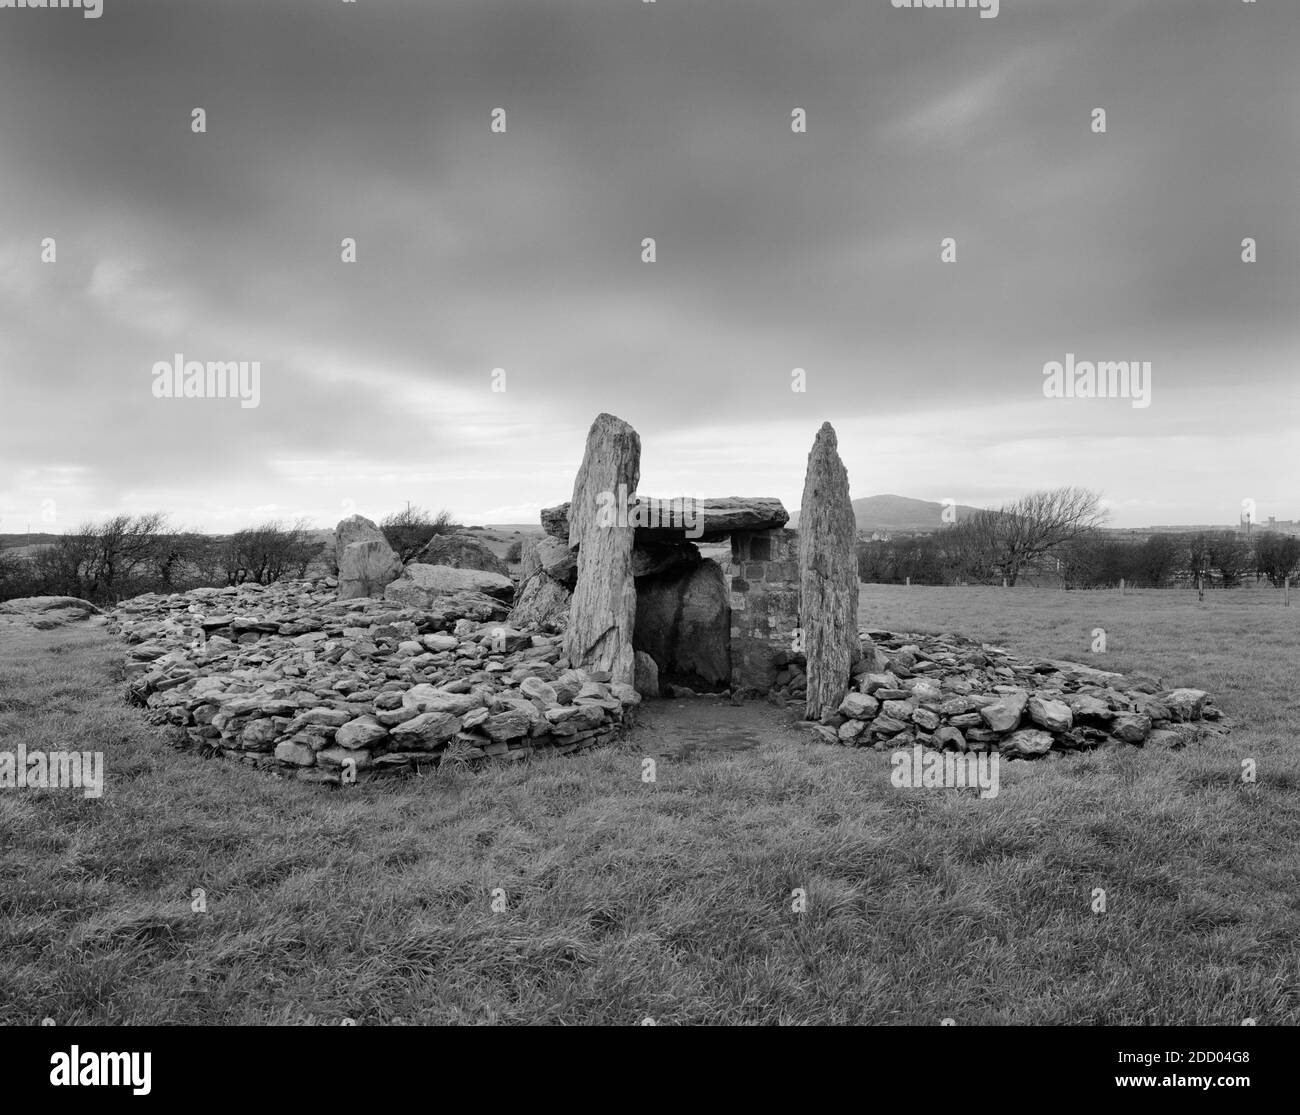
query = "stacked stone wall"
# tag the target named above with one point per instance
(763, 583)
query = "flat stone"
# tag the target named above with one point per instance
(1004, 714)
(421, 585)
(1053, 715)
(361, 732)
(1028, 743)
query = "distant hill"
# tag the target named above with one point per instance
(899, 513)
(890, 512)
(22, 541)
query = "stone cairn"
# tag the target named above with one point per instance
(950, 693)
(386, 668)
(382, 670)
(293, 679)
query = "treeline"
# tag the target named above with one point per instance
(1091, 560)
(132, 554)
(1058, 533)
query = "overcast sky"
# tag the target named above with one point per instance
(775, 250)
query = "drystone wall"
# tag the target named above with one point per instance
(763, 588)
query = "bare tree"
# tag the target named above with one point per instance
(104, 561)
(268, 553)
(1020, 534)
(409, 531)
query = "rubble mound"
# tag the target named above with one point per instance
(951, 693)
(290, 678)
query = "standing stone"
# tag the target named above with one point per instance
(355, 528)
(683, 621)
(367, 568)
(366, 561)
(828, 576)
(603, 613)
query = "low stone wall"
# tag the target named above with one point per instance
(950, 693)
(293, 680)
(763, 582)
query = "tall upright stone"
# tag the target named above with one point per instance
(355, 528)
(828, 576)
(602, 615)
(366, 562)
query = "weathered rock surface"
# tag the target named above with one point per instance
(366, 567)
(659, 555)
(705, 520)
(602, 615)
(556, 559)
(48, 612)
(647, 675)
(828, 576)
(555, 521)
(461, 551)
(683, 621)
(34, 605)
(542, 604)
(355, 528)
(710, 520)
(420, 585)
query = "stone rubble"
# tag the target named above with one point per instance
(290, 678)
(950, 693)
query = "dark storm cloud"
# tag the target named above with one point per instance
(522, 250)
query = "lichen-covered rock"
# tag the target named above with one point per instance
(1051, 714)
(602, 616)
(1004, 714)
(542, 604)
(366, 568)
(461, 551)
(1028, 743)
(828, 577)
(421, 586)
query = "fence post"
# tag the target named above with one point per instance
(1286, 591)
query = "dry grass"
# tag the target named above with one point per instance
(673, 900)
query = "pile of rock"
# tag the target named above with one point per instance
(45, 613)
(791, 683)
(947, 692)
(291, 678)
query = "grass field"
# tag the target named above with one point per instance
(673, 899)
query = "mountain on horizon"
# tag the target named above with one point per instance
(898, 513)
